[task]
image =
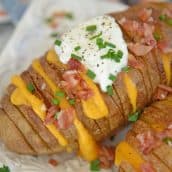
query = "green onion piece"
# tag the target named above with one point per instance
(96, 36)
(157, 36)
(169, 21)
(77, 48)
(126, 68)
(69, 16)
(91, 28)
(54, 34)
(112, 77)
(109, 90)
(55, 101)
(95, 165)
(109, 44)
(167, 140)
(4, 169)
(56, 115)
(91, 74)
(30, 87)
(74, 56)
(49, 20)
(162, 17)
(58, 42)
(134, 116)
(72, 101)
(100, 43)
(60, 94)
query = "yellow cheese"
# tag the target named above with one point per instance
(131, 90)
(167, 60)
(87, 144)
(124, 152)
(95, 107)
(21, 95)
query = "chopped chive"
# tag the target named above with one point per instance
(69, 16)
(91, 28)
(109, 44)
(112, 77)
(95, 165)
(74, 56)
(71, 101)
(162, 17)
(49, 20)
(55, 101)
(100, 43)
(54, 34)
(30, 87)
(157, 36)
(91, 74)
(77, 48)
(4, 169)
(169, 21)
(109, 90)
(96, 36)
(56, 115)
(60, 94)
(167, 140)
(126, 68)
(58, 42)
(134, 116)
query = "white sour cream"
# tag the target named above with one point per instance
(89, 50)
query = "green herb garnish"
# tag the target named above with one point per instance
(74, 56)
(49, 19)
(95, 165)
(112, 77)
(157, 36)
(162, 17)
(60, 94)
(4, 169)
(96, 36)
(169, 21)
(167, 140)
(91, 28)
(109, 44)
(109, 90)
(77, 48)
(91, 74)
(72, 101)
(126, 68)
(55, 101)
(58, 42)
(69, 16)
(134, 116)
(30, 87)
(54, 34)
(100, 43)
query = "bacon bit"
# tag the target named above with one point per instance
(59, 14)
(53, 162)
(74, 64)
(139, 49)
(106, 157)
(65, 119)
(147, 167)
(148, 141)
(145, 14)
(134, 63)
(162, 92)
(164, 46)
(166, 133)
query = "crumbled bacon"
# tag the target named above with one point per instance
(164, 46)
(53, 162)
(106, 156)
(162, 92)
(74, 64)
(147, 141)
(75, 86)
(147, 167)
(166, 133)
(145, 14)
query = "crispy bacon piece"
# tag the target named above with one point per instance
(106, 156)
(74, 64)
(147, 167)
(164, 46)
(53, 162)
(145, 14)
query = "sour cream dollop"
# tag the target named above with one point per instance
(91, 42)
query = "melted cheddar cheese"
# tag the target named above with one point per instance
(124, 152)
(131, 91)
